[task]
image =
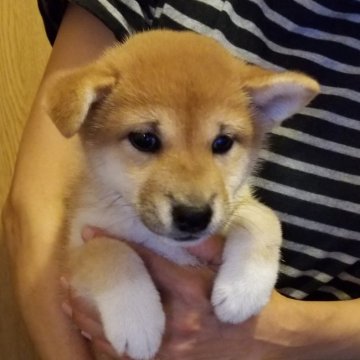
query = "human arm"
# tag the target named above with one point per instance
(311, 329)
(34, 211)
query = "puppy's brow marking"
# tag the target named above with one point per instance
(236, 132)
(141, 126)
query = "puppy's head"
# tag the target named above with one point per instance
(172, 122)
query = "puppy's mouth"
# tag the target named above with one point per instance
(175, 235)
(186, 238)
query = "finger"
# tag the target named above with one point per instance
(88, 325)
(185, 282)
(82, 312)
(90, 232)
(163, 272)
(105, 347)
(83, 305)
(92, 328)
(209, 251)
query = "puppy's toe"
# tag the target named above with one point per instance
(235, 303)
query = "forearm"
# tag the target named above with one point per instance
(311, 330)
(34, 212)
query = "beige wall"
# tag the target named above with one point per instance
(23, 54)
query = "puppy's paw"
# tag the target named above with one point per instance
(236, 300)
(114, 278)
(134, 325)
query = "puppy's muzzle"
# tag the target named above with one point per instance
(191, 220)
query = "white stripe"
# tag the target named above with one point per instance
(217, 35)
(304, 31)
(296, 273)
(345, 93)
(250, 26)
(323, 11)
(347, 277)
(319, 253)
(156, 11)
(318, 142)
(332, 118)
(341, 295)
(116, 15)
(319, 227)
(307, 196)
(309, 168)
(299, 294)
(294, 293)
(133, 5)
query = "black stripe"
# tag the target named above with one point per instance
(152, 3)
(164, 22)
(198, 10)
(52, 13)
(304, 17)
(287, 38)
(95, 8)
(355, 270)
(303, 262)
(133, 18)
(350, 288)
(311, 183)
(311, 285)
(325, 130)
(145, 7)
(303, 283)
(314, 155)
(339, 105)
(319, 240)
(311, 211)
(321, 296)
(342, 6)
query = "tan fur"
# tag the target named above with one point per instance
(187, 89)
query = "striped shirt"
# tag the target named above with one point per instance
(311, 172)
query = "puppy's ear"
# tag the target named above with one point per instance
(277, 96)
(71, 94)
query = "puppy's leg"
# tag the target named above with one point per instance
(113, 276)
(250, 263)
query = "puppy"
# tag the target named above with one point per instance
(171, 125)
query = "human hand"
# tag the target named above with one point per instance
(192, 330)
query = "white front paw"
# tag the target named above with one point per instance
(236, 300)
(133, 321)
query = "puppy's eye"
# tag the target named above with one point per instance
(145, 141)
(222, 144)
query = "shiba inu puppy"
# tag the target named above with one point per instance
(171, 125)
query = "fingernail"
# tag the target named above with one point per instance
(67, 309)
(87, 233)
(105, 348)
(86, 335)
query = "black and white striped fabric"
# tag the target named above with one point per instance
(311, 172)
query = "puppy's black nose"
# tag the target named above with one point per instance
(191, 219)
